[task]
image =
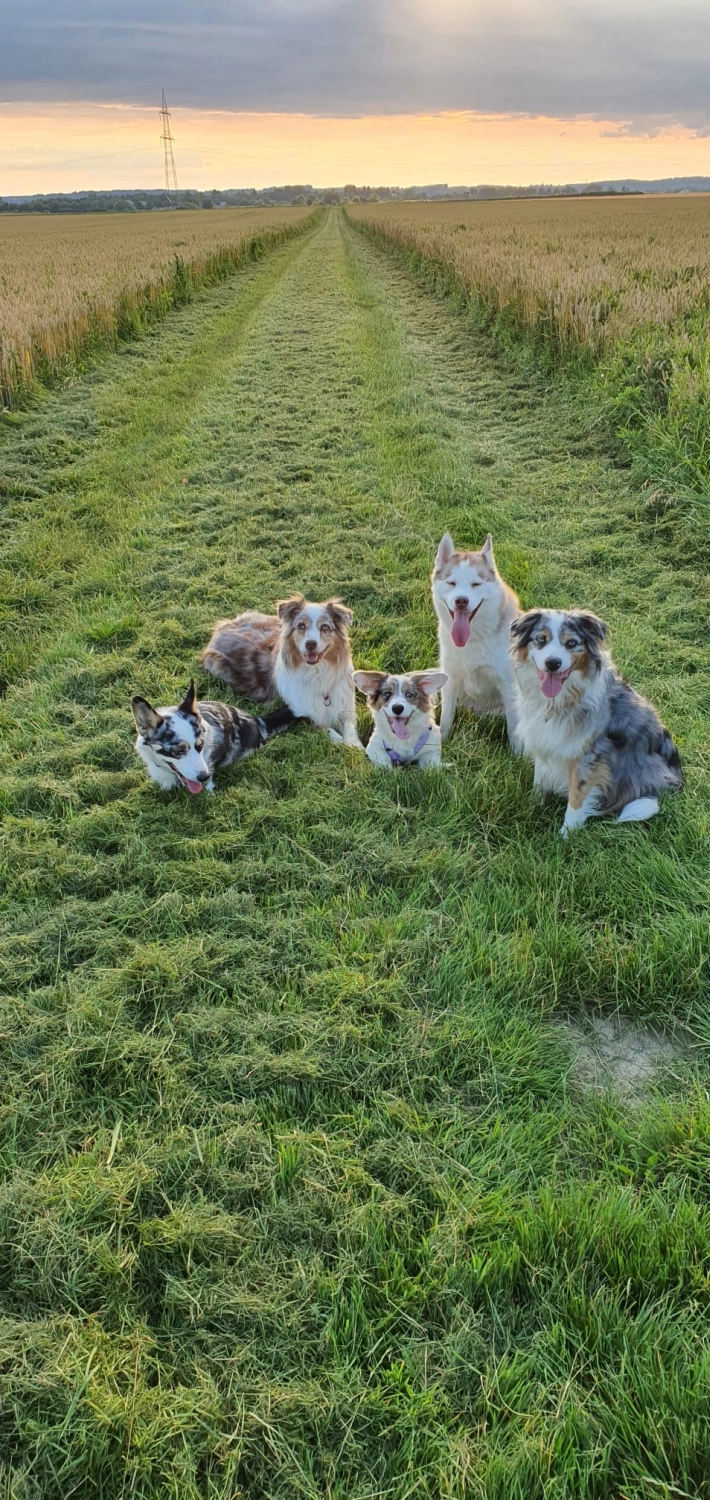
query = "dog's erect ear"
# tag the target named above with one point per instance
(288, 609)
(341, 616)
(147, 719)
(369, 683)
(445, 551)
(189, 702)
(524, 627)
(487, 550)
(430, 682)
(591, 629)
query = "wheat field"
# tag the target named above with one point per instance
(580, 272)
(68, 282)
(619, 287)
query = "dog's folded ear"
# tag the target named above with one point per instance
(445, 551)
(590, 627)
(524, 626)
(189, 702)
(430, 681)
(147, 718)
(341, 616)
(287, 609)
(369, 682)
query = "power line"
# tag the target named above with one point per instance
(167, 137)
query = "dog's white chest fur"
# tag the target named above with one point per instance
(482, 667)
(422, 746)
(554, 734)
(322, 693)
(480, 673)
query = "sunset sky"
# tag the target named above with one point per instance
(365, 91)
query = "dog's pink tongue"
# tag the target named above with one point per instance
(552, 684)
(193, 786)
(461, 628)
(401, 728)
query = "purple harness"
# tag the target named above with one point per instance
(402, 760)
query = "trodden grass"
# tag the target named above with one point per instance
(300, 1197)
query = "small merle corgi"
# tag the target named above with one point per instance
(185, 745)
(405, 730)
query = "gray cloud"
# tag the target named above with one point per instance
(619, 59)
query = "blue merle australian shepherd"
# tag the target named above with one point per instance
(185, 745)
(592, 737)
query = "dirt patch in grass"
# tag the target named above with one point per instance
(612, 1052)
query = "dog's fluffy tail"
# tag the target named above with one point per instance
(275, 723)
(635, 812)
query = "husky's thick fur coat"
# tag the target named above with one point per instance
(592, 737)
(186, 744)
(475, 609)
(405, 730)
(301, 654)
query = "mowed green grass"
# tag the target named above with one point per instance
(300, 1196)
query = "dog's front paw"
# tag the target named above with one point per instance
(335, 738)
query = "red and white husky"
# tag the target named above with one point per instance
(475, 608)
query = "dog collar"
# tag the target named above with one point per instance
(401, 760)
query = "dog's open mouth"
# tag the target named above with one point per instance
(552, 683)
(399, 726)
(461, 628)
(191, 786)
(313, 657)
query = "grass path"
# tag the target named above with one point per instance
(299, 1195)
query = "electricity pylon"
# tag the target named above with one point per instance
(167, 137)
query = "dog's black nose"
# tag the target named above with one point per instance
(461, 603)
(397, 708)
(311, 645)
(203, 777)
(553, 663)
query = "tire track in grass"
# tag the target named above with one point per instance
(296, 1198)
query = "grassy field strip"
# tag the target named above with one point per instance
(616, 288)
(299, 1194)
(80, 480)
(71, 288)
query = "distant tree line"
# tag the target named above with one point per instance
(142, 200)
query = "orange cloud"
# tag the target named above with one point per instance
(65, 147)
